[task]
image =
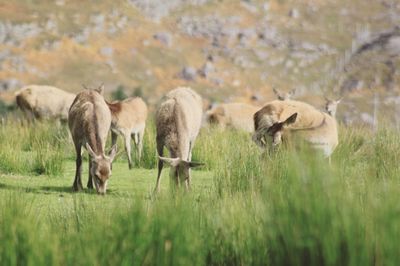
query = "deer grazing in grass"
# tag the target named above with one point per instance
(44, 102)
(89, 121)
(178, 121)
(295, 120)
(233, 115)
(129, 120)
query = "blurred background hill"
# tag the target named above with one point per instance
(228, 50)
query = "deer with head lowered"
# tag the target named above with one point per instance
(178, 121)
(295, 120)
(44, 102)
(89, 121)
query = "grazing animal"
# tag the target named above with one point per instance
(89, 122)
(295, 120)
(178, 121)
(282, 95)
(331, 106)
(234, 115)
(129, 120)
(44, 102)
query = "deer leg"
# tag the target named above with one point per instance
(160, 151)
(90, 179)
(140, 144)
(127, 140)
(77, 186)
(114, 137)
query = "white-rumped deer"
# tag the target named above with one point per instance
(89, 121)
(178, 121)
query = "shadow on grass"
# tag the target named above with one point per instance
(50, 189)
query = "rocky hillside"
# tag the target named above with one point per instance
(226, 49)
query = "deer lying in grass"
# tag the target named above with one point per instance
(129, 120)
(89, 122)
(44, 102)
(295, 120)
(178, 121)
(331, 106)
(234, 115)
(282, 95)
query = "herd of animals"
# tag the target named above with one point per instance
(178, 118)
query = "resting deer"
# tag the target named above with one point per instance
(129, 120)
(294, 119)
(44, 102)
(331, 106)
(282, 95)
(178, 121)
(89, 121)
(234, 115)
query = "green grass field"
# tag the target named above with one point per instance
(286, 208)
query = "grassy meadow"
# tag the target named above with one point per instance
(282, 208)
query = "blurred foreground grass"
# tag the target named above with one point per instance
(286, 208)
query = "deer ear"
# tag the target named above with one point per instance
(339, 100)
(90, 151)
(100, 89)
(112, 152)
(170, 161)
(290, 120)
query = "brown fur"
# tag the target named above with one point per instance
(129, 120)
(178, 121)
(89, 122)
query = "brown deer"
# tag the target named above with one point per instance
(178, 121)
(129, 120)
(89, 121)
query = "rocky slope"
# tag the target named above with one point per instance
(226, 49)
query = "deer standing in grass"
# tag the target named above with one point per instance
(89, 121)
(295, 120)
(129, 120)
(234, 115)
(178, 121)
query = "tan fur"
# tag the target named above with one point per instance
(315, 127)
(331, 106)
(129, 120)
(282, 95)
(44, 102)
(178, 121)
(234, 115)
(89, 122)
